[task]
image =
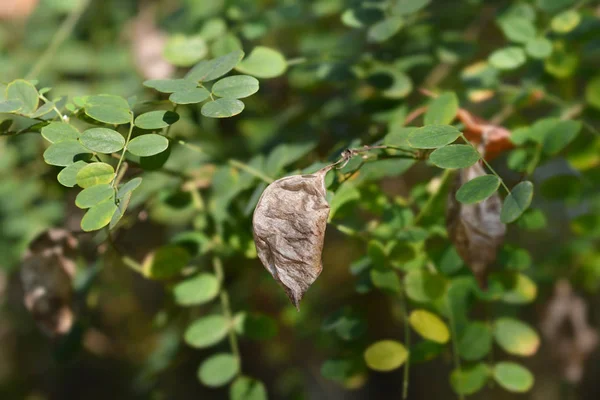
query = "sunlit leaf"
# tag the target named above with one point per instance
(95, 174)
(513, 377)
(429, 326)
(516, 337)
(385, 355)
(218, 370)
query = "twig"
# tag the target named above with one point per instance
(225, 305)
(59, 37)
(114, 182)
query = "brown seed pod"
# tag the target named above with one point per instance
(289, 229)
(475, 229)
(47, 272)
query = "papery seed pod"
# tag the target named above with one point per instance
(289, 229)
(475, 229)
(47, 272)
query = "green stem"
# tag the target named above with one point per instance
(492, 170)
(225, 305)
(433, 196)
(56, 110)
(454, 344)
(124, 150)
(407, 342)
(59, 37)
(296, 61)
(250, 170)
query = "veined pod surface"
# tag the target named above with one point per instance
(289, 229)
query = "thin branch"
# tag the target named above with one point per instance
(225, 305)
(59, 37)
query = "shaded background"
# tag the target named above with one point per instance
(127, 341)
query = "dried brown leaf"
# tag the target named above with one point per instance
(475, 229)
(289, 229)
(47, 272)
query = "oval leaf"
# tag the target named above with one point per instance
(207, 331)
(517, 202)
(263, 62)
(469, 380)
(148, 145)
(65, 153)
(192, 96)
(245, 388)
(56, 132)
(513, 377)
(206, 71)
(68, 176)
(93, 195)
(102, 140)
(516, 337)
(442, 110)
(156, 119)
(478, 189)
(25, 93)
(171, 85)
(475, 341)
(385, 355)
(508, 58)
(235, 87)
(198, 290)
(222, 108)
(455, 156)
(429, 325)
(98, 216)
(433, 136)
(218, 370)
(108, 114)
(95, 174)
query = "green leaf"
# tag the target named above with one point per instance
(469, 380)
(218, 370)
(517, 202)
(478, 189)
(406, 7)
(263, 62)
(95, 174)
(393, 82)
(23, 92)
(108, 114)
(128, 187)
(245, 388)
(9, 106)
(166, 262)
(68, 176)
(513, 377)
(516, 337)
(517, 29)
(98, 216)
(429, 326)
(108, 109)
(592, 92)
(433, 136)
(197, 290)
(121, 208)
(43, 110)
(385, 29)
(222, 108)
(442, 110)
(206, 71)
(255, 326)
(191, 96)
(566, 21)
(519, 290)
(539, 48)
(93, 195)
(235, 87)
(508, 58)
(185, 51)
(148, 145)
(475, 341)
(102, 140)
(385, 355)
(171, 85)
(560, 135)
(65, 153)
(207, 331)
(156, 119)
(386, 280)
(455, 156)
(552, 6)
(424, 286)
(347, 192)
(56, 132)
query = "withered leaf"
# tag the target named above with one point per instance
(47, 272)
(289, 228)
(475, 229)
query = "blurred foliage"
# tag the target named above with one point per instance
(151, 128)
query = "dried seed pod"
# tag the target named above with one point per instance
(47, 271)
(566, 328)
(289, 228)
(475, 229)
